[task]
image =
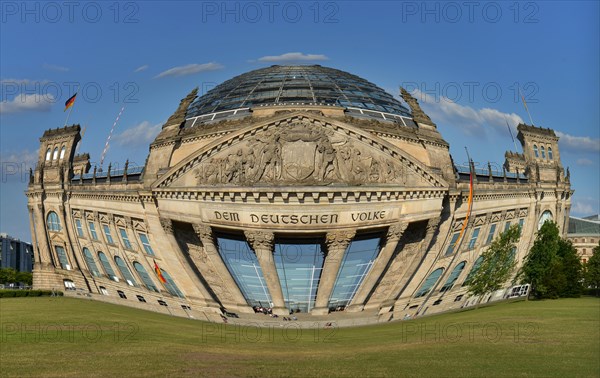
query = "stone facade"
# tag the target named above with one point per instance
(296, 171)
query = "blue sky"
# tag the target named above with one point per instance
(465, 61)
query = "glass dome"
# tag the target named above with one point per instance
(297, 85)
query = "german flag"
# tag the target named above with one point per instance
(70, 102)
(159, 273)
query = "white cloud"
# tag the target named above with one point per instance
(189, 69)
(140, 134)
(20, 82)
(292, 57)
(14, 166)
(27, 157)
(53, 67)
(141, 68)
(470, 120)
(583, 207)
(27, 103)
(577, 143)
(584, 162)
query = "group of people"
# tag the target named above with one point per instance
(269, 311)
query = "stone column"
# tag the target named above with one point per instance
(394, 234)
(43, 244)
(262, 243)
(235, 299)
(34, 242)
(337, 242)
(167, 226)
(420, 257)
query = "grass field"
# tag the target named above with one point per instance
(75, 337)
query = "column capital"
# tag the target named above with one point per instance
(432, 224)
(260, 239)
(167, 225)
(203, 231)
(395, 231)
(340, 239)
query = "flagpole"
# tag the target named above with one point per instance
(511, 134)
(526, 108)
(71, 108)
(69, 114)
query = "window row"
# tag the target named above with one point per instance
(299, 263)
(127, 244)
(542, 151)
(433, 278)
(162, 275)
(454, 242)
(70, 285)
(55, 155)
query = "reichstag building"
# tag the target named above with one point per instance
(300, 189)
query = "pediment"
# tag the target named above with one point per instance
(300, 149)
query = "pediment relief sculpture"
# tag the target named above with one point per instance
(300, 152)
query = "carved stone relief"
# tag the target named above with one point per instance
(302, 153)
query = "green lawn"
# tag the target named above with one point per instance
(81, 338)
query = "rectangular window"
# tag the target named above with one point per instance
(146, 244)
(521, 223)
(491, 234)
(125, 239)
(474, 238)
(450, 249)
(92, 227)
(506, 226)
(62, 258)
(109, 238)
(79, 227)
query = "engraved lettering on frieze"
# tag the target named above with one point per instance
(368, 216)
(227, 216)
(294, 218)
(300, 153)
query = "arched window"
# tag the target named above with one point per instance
(89, 259)
(550, 155)
(55, 153)
(429, 282)
(543, 152)
(62, 152)
(474, 269)
(53, 222)
(535, 151)
(546, 216)
(48, 153)
(106, 265)
(453, 276)
(124, 271)
(170, 284)
(144, 275)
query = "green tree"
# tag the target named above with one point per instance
(540, 262)
(497, 264)
(24, 277)
(571, 269)
(8, 275)
(592, 270)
